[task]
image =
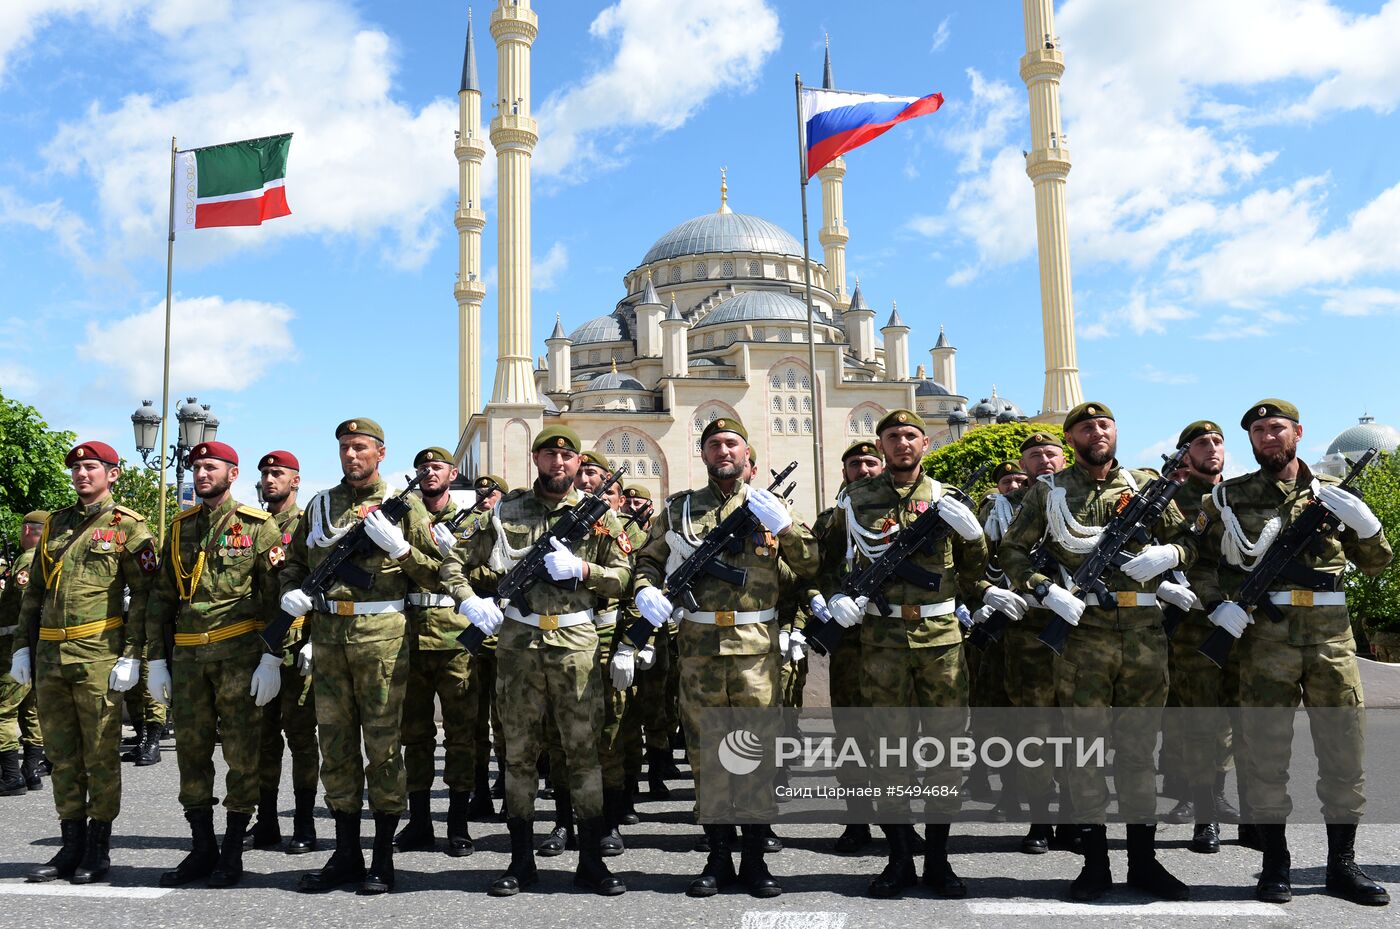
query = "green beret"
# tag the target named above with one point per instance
(1005, 468)
(863, 447)
(557, 437)
(487, 483)
(36, 516)
(637, 491)
(436, 453)
(1197, 429)
(360, 426)
(1270, 407)
(901, 418)
(724, 424)
(1089, 409)
(1037, 439)
(597, 458)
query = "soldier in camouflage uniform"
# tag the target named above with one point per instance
(914, 656)
(489, 490)
(294, 710)
(439, 669)
(360, 637)
(548, 653)
(216, 586)
(148, 718)
(88, 555)
(729, 649)
(19, 715)
(644, 733)
(1116, 654)
(1310, 656)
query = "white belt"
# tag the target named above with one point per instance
(363, 608)
(427, 599)
(1123, 599)
(602, 620)
(549, 621)
(1297, 598)
(8, 630)
(911, 611)
(730, 617)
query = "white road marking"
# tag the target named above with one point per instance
(93, 891)
(1160, 908)
(816, 919)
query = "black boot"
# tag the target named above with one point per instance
(1067, 838)
(1250, 838)
(853, 839)
(63, 864)
(627, 809)
(731, 835)
(753, 871)
(97, 859)
(1206, 839)
(1036, 841)
(32, 767)
(268, 832)
(978, 785)
(498, 787)
(148, 752)
(611, 844)
(1183, 812)
(719, 866)
(229, 871)
(459, 837)
(1145, 872)
(771, 842)
(562, 835)
(204, 851)
(900, 873)
(1344, 878)
(657, 762)
(938, 873)
(1275, 884)
(1225, 811)
(592, 874)
(11, 779)
(418, 834)
(481, 808)
(303, 823)
(521, 872)
(347, 862)
(1095, 878)
(380, 878)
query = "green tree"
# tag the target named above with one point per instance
(1375, 601)
(32, 475)
(139, 489)
(955, 462)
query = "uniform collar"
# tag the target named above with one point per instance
(719, 494)
(444, 514)
(92, 509)
(1113, 470)
(377, 486)
(569, 499)
(221, 509)
(1304, 479)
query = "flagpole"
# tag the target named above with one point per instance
(811, 313)
(165, 371)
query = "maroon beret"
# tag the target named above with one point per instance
(279, 459)
(219, 451)
(98, 450)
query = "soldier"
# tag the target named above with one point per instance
(913, 657)
(149, 718)
(1309, 656)
(489, 490)
(88, 554)
(1117, 653)
(729, 648)
(547, 655)
(438, 668)
(19, 717)
(216, 584)
(294, 710)
(361, 651)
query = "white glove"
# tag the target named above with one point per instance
(386, 535)
(654, 606)
(1151, 561)
(797, 645)
(646, 657)
(982, 615)
(158, 680)
(1350, 509)
(296, 602)
(19, 667)
(304, 659)
(963, 521)
(623, 667)
(845, 611)
(784, 640)
(820, 610)
(443, 537)
(1231, 617)
(1178, 595)
(125, 673)
(770, 510)
(483, 614)
(267, 679)
(1008, 602)
(563, 564)
(1064, 604)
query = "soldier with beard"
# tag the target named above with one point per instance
(489, 490)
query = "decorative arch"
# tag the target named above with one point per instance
(643, 455)
(863, 419)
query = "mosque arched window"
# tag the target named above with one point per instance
(676, 274)
(792, 425)
(626, 443)
(784, 335)
(778, 425)
(755, 269)
(777, 404)
(701, 271)
(807, 425)
(727, 269)
(760, 334)
(775, 381)
(792, 404)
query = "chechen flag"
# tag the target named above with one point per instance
(837, 121)
(236, 184)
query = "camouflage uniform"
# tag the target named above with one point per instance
(143, 710)
(19, 715)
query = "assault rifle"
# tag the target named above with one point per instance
(728, 536)
(924, 534)
(337, 567)
(1283, 562)
(573, 526)
(1131, 522)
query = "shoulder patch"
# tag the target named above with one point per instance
(147, 558)
(22, 577)
(253, 512)
(624, 543)
(276, 555)
(185, 514)
(1201, 524)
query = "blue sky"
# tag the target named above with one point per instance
(1234, 205)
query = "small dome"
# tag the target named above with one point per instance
(614, 381)
(1367, 433)
(931, 388)
(600, 329)
(994, 408)
(760, 306)
(723, 232)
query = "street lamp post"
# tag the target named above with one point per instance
(197, 424)
(958, 422)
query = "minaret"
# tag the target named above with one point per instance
(559, 364)
(470, 220)
(896, 346)
(944, 359)
(1047, 163)
(514, 134)
(675, 354)
(649, 313)
(859, 321)
(833, 233)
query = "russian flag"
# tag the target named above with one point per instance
(839, 120)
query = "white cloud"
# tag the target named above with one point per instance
(52, 218)
(1136, 316)
(22, 20)
(1363, 301)
(671, 57)
(16, 380)
(941, 35)
(546, 272)
(215, 343)
(1153, 375)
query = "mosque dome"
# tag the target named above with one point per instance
(599, 329)
(1367, 433)
(612, 380)
(930, 388)
(723, 232)
(995, 409)
(760, 306)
